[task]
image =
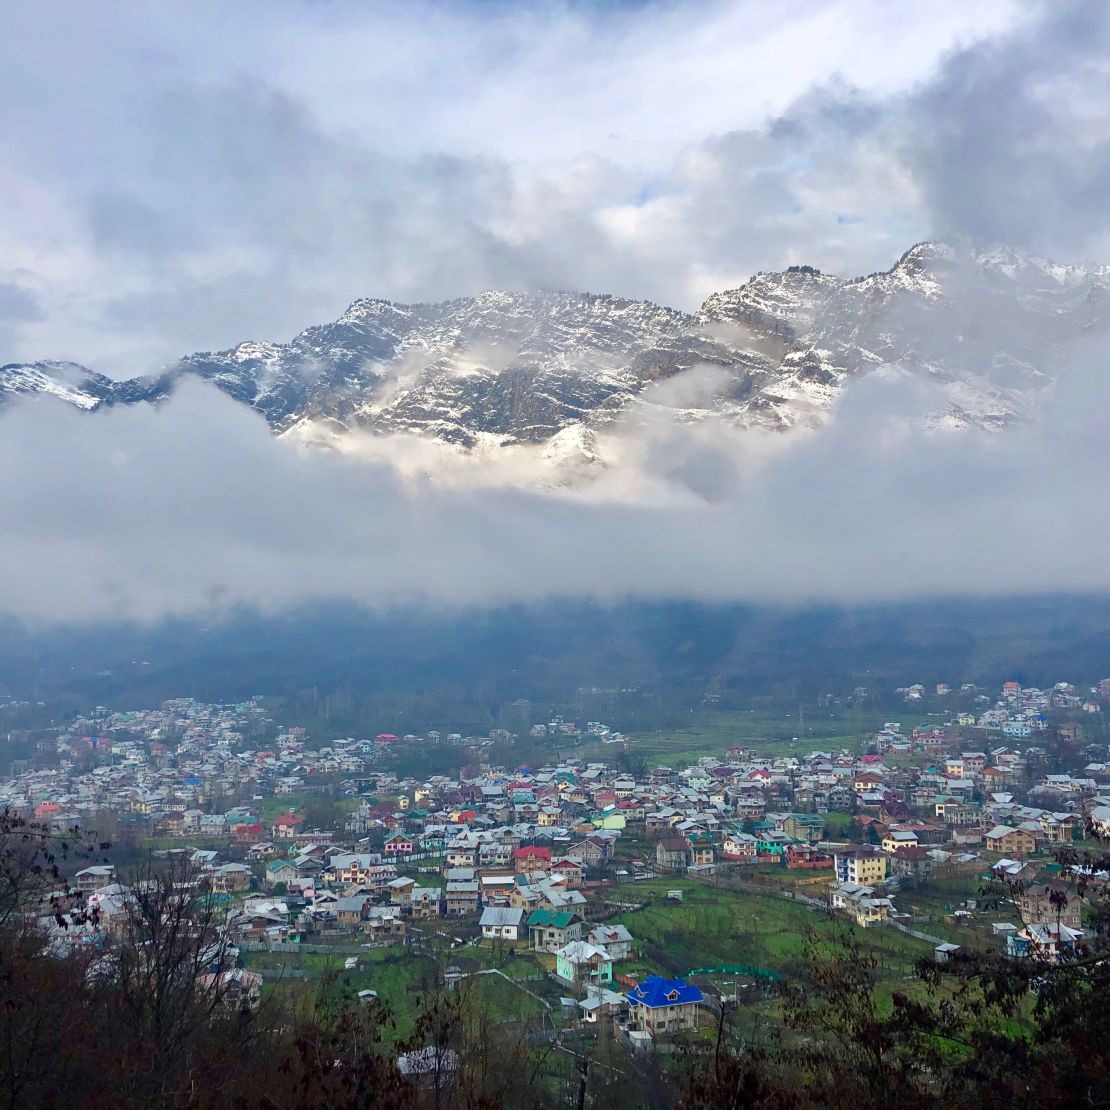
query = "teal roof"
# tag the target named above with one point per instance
(550, 919)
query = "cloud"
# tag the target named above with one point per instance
(195, 508)
(193, 175)
(1012, 141)
(183, 177)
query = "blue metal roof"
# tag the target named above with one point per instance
(657, 991)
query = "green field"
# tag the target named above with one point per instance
(402, 976)
(713, 926)
(712, 731)
(399, 975)
(941, 895)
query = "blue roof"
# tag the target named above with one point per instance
(657, 991)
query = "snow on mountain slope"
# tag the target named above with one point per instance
(988, 332)
(65, 380)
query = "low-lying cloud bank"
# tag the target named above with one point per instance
(195, 507)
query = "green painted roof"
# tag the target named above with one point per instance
(550, 919)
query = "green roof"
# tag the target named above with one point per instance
(551, 919)
(278, 864)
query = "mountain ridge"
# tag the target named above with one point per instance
(989, 330)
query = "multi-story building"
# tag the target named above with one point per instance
(865, 865)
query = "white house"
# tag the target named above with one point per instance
(500, 923)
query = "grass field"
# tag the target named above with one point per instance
(402, 975)
(938, 898)
(713, 926)
(712, 731)
(399, 975)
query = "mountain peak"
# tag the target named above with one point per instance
(557, 367)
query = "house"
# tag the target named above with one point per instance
(286, 826)
(862, 865)
(351, 912)
(582, 962)
(248, 832)
(570, 870)
(1100, 820)
(1050, 903)
(531, 857)
(894, 839)
(361, 868)
(859, 903)
(400, 890)
(867, 782)
(600, 1004)
(615, 939)
(92, 878)
(425, 901)
(173, 823)
(808, 857)
(912, 862)
(384, 923)
(770, 844)
(238, 990)
(497, 889)
(702, 849)
(807, 827)
(1047, 943)
(670, 853)
(462, 897)
(502, 924)
(398, 845)
(281, 871)
(550, 930)
(1010, 842)
(738, 846)
(230, 877)
(658, 1006)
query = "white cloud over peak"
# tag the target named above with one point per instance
(184, 176)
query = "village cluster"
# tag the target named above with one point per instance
(524, 858)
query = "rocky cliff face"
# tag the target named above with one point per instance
(990, 330)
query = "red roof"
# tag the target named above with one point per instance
(532, 851)
(287, 819)
(385, 736)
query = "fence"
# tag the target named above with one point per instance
(916, 933)
(318, 949)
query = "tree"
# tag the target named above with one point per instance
(979, 1030)
(167, 980)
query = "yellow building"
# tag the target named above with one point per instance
(865, 865)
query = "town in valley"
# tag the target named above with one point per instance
(606, 882)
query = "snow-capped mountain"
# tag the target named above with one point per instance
(989, 330)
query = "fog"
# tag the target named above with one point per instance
(196, 507)
(184, 177)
